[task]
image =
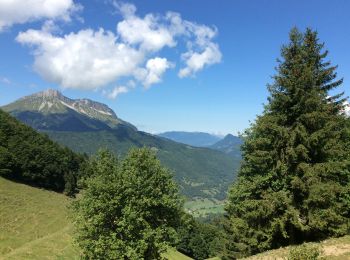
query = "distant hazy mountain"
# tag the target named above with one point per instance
(85, 126)
(198, 139)
(230, 144)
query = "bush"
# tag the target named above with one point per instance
(305, 252)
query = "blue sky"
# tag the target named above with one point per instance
(226, 51)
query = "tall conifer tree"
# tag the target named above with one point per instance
(294, 182)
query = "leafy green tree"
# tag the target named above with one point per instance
(200, 240)
(294, 181)
(129, 209)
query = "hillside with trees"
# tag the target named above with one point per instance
(32, 158)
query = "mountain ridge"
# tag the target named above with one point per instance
(49, 105)
(230, 145)
(198, 139)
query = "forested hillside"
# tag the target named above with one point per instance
(30, 157)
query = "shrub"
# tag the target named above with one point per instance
(305, 252)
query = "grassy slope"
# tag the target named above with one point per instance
(333, 249)
(34, 224)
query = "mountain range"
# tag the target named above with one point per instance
(230, 144)
(198, 139)
(86, 126)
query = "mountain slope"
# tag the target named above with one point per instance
(230, 145)
(200, 172)
(50, 110)
(197, 139)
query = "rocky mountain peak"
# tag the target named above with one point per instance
(53, 93)
(51, 101)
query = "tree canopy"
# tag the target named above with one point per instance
(129, 209)
(32, 158)
(294, 181)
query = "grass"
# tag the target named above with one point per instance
(34, 224)
(204, 207)
(332, 249)
(175, 255)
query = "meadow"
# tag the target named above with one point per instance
(204, 207)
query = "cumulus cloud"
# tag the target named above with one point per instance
(90, 59)
(22, 11)
(153, 71)
(147, 32)
(116, 92)
(84, 60)
(196, 61)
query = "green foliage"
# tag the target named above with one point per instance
(32, 158)
(304, 252)
(129, 209)
(294, 182)
(199, 240)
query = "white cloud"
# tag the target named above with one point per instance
(153, 71)
(196, 61)
(125, 9)
(84, 60)
(155, 32)
(90, 59)
(346, 108)
(116, 92)
(22, 11)
(147, 32)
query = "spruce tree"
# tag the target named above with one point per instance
(294, 181)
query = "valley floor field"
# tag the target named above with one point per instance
(202, 207)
